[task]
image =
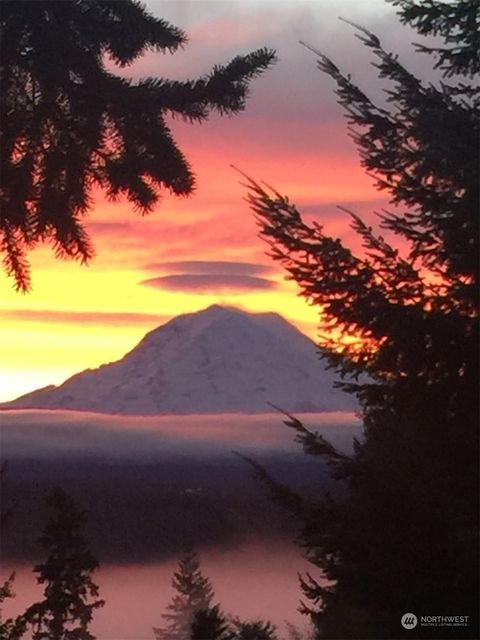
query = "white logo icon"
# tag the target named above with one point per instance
(409, 620)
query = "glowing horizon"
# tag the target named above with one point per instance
(291, 135)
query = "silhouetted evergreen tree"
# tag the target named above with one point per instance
(13, 628)
(294, 633)
(404, 539)
(194, 592)
(6, 513)
(6, 626)
(210, 624)
(70, 595)
(256, 630)
(6, 590)
(69, 124)
(10, 629)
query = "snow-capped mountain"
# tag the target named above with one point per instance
(219, 360)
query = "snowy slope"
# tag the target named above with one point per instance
(220, 360)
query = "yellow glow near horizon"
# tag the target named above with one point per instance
(78, 317)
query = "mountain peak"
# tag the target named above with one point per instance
(220, 309)
(223, 311)
(217, 360)
(217, 311)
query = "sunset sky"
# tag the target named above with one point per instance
(193, 252)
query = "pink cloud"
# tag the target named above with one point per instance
(83, 317)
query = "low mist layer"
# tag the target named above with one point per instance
(153, 485)
(44, 434)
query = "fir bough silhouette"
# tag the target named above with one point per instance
(71, 125)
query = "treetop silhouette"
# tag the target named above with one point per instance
(193, 593)
(402, 530)
(70, 595)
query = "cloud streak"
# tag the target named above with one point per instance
(210, 267)
(208, 283)
(83, 317)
